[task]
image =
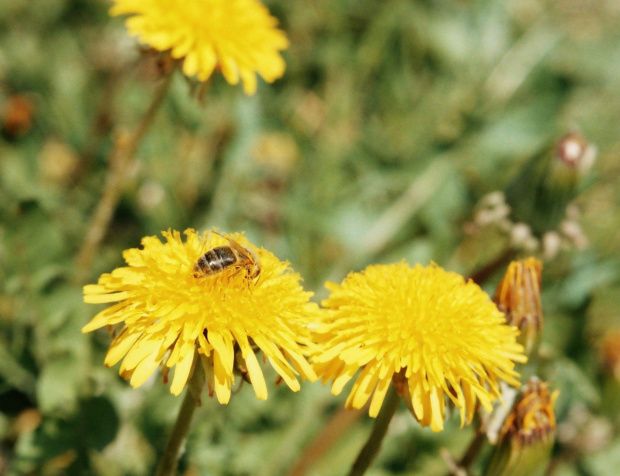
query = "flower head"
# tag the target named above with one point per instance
(426, 330)
(169, 313)
(518, 296)
(237, 36)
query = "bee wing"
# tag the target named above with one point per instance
(230, 241)
(236, 246)
(204, 244)
(247, 253)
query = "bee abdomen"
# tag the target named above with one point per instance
(215, 260)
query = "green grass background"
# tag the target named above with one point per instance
(392, 120)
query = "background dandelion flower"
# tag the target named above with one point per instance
(426, 330)
(164, 313)
(237, 36)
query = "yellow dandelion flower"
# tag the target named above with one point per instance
(167, 313)
(423, 329)
(239, 37)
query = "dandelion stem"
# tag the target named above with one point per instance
(372, 446)
(336, 427)
(120, 163)
(481, 275)
(475, 445)
(478, 441)
(176, 440)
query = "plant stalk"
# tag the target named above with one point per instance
(481, 275)
(178, 435)
(372, 446)
(120, 163)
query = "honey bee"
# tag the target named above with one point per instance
(222, 258)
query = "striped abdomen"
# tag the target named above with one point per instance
(215, 261)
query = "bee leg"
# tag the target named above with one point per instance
(237, 270)
(249, 280)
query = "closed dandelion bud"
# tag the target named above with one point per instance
(527, 436)
(547, 183)
(610, 353)
(518, 297)
(17, 116)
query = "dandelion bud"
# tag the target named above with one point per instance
(518, 297)
(527, 436)
(16, 117)
(547, 183)
(610, 353)
(58, 163)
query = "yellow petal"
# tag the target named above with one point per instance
(256, 376)
(286, 374)
(181, 371)
(105, 298)
(143, 348)
(119, 347)
(379, 396)
(144, 370)
(223, 379)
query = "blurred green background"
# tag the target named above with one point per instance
(392, 120)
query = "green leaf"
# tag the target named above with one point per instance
(58, 385)
(98, 422)
(604, 463)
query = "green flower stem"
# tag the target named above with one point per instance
(120, 163)
(337, 426)
(178, 435)
(372, 446)
(481, 275)
(475, 445)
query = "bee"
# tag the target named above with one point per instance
(223, 258)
